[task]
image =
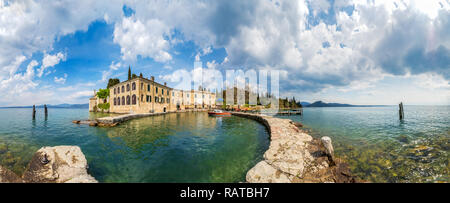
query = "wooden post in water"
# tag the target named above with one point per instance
(400, 111)
(34, 112)
(45, 110)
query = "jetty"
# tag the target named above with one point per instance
(295, 157)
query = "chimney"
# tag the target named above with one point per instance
(153, 78)
(165, 83)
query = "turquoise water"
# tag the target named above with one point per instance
(185, 147)
(380, 148)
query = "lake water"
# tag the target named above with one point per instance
(381, 148)
(185, 147)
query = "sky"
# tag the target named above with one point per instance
(347, 51)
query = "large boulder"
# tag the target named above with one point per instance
(7, 176)
(61, 164)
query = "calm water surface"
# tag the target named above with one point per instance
(186, 147)
(380, 148)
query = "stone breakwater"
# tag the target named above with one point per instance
(61, 164)
(294, 156)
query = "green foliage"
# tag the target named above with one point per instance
(103, 93)
(112, 82)
(133, 76)
(104, 106)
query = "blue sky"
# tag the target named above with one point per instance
(349, 51)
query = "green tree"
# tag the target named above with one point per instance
(129, 72)
(141, 76)
(103, 94)
(133, 76)
(112, 82)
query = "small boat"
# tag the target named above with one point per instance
(219, 113)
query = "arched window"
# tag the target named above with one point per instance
(128, 100)
(133, 86)
(123, 89)
(118, 101)
(128, 87)
(142, 98)
(114, 90)
(134, 99)
(123, 100)
(115, 102)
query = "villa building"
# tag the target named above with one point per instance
(142, 95)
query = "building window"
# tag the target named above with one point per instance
(148, 98)
(114, 90)
(133, 86)
(187, 95)
(156, 90)
(148, 88)
(173, 94)
(167, 92)
(168, 100)
(195, 95)
(142, 86)
(118, 101)
(115, 102)
(142, 98)
(123, 100)
(134, 99)
(162, 100)
(128, 87)
(156, 99)
(162, 91)
(123, 89)
(128, 100)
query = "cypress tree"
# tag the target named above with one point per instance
(129, 72)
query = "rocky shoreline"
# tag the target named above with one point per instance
(61, 164)
(296, 157)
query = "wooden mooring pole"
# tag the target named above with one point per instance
(34, 112)
(45, 110)
(400, 111)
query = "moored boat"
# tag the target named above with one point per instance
(219, 113)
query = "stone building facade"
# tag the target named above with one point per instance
(95, 101)
(142, 95)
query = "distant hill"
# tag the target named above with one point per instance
(61, 106)
(305, 103)
(323, 104)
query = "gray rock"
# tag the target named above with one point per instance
(265, 173)
(326, 141)
(7, 176)
(59, 164)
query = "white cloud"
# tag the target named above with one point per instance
(28, 27)
(146, 39)
(50, 61)
(61, 80)
(107, 73)
(396, 37)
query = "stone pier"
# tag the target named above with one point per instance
(294, 156)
